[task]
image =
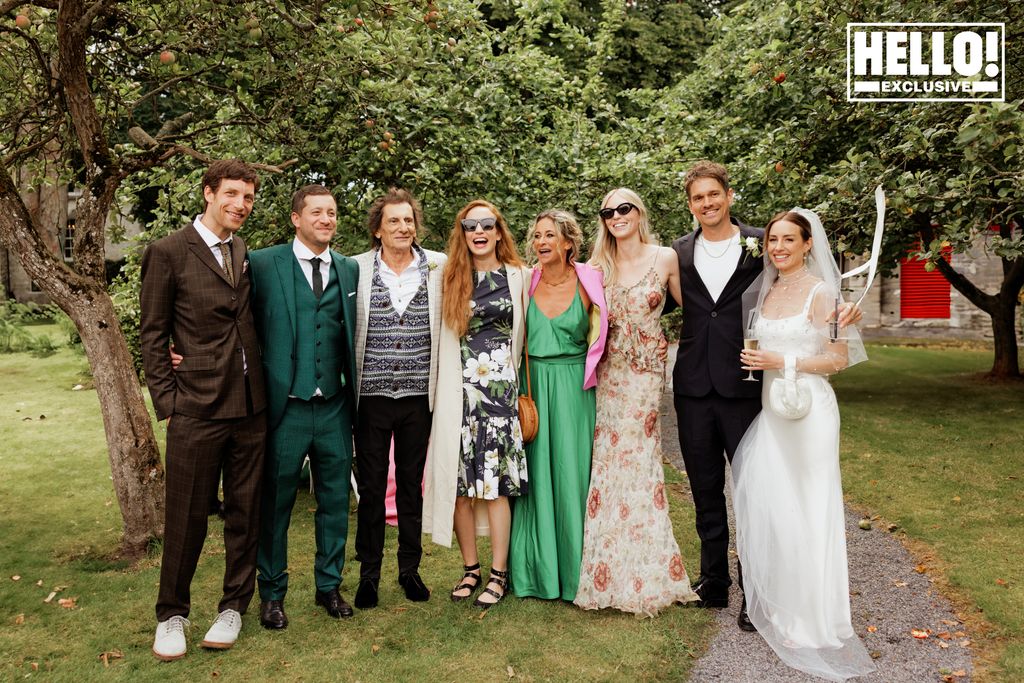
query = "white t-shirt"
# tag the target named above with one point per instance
(716, 262)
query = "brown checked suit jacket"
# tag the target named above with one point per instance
(187, 298)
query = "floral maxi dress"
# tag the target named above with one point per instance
(493, 459)
(631, 560)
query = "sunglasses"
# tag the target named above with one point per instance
(470, 224)
(622, 209)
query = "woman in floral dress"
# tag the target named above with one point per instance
(476, 460)
(631, 560)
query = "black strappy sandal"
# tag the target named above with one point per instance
(498, 578)
(466, 584)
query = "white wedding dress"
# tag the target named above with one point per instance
(788, 499)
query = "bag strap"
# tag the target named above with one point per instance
(526, 355)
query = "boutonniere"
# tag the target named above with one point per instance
(431, 265)
(752, 245)
(245, 266)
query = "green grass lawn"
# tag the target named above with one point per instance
(60, 521)
(931, 446)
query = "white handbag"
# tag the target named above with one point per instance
(789, 396)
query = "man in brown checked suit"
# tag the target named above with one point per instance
(195, 293)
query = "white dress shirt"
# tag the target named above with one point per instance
(304, 253)
(211, 240)
(716, 262)
(402, 286)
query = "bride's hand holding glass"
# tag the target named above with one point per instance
(759, 359)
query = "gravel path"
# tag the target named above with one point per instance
(886, 594)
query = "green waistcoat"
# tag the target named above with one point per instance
(319, 344)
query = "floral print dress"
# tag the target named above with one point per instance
(493, 459)
(631, 560)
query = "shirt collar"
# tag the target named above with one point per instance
(211, 239)
(302, 252)
(415, 263)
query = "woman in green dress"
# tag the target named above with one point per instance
(566, 325)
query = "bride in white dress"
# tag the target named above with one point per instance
(787, 492)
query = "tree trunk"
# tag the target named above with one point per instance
(1006, 364)
(133, 452)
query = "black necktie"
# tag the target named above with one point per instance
(318, 278)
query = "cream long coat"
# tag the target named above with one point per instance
(435, 266)
(442, 470)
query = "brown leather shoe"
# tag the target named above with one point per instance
(334, 604)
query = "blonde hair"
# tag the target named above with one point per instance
(458, 273)
(604, 253)
(566, 227)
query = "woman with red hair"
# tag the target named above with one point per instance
(475, 461)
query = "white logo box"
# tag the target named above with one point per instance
(925, 62)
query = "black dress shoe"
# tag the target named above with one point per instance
(334, 604)
(272, 615)
(743, 621)
(711, 593)
(366, 594)
(415, 589)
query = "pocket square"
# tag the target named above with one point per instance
(351, 293)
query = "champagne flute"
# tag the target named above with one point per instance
(750, 342)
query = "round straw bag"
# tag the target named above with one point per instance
(529, 421)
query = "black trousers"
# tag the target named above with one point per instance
(197, 452)
(408, 421)
(708, 427)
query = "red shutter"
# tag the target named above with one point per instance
(923, 294)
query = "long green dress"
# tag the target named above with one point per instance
(547, 524)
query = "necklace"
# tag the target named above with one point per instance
(785, 283)
(569, 273)
(704, 246)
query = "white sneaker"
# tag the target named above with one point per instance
(224, 632)
(169, 643)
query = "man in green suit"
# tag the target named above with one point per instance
(303, 302)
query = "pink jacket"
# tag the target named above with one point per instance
(592, 281)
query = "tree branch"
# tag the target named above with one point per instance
(11, 5)
(986, 302)
(305, 26)
(91, 13)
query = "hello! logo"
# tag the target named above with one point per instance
(891, 62)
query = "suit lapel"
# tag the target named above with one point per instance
(365, 285)
(686, 248)
(743, 267)
(237, 257)
(432, 298)
(284, 261)
(204, 253)
(348, 312)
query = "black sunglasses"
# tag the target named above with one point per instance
(470, 224)
(622, 209)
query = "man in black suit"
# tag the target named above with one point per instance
(195, 291)
(713, 405)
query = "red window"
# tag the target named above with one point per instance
(923, 294)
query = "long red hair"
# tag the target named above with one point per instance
(458, 273)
